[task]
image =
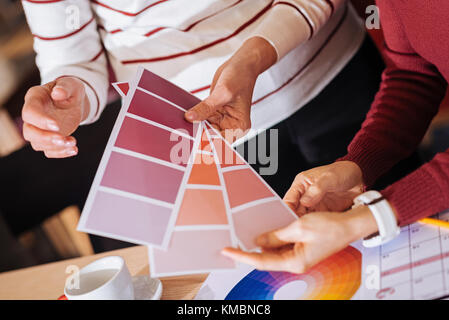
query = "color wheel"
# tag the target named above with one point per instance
(336, 278)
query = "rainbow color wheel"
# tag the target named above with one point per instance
(336, 278)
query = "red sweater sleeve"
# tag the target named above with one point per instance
(409, 97)
(422, 193)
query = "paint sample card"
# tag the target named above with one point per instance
(203, 226)
(244, 186)
(121, 87)
(192, 251)
(251, 221)
(167, 90)
(177, 187)
(133, 196)
(145, 216)
(138, 176)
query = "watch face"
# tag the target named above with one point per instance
(373, 242)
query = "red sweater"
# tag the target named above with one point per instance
(413, 85)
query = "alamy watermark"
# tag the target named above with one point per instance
(73, 280)
(372, 20)
(263, 150)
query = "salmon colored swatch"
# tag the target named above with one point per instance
(202, 207)
(244, 186)
(205, 143)
(192, 252)
(153, 141)
(253, 221)
(204, 171)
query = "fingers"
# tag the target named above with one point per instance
(284, 260)
(67, 90)
(53, 144)
(270, 240)
(34, 111)
(280, 237)
(203, 110)
(312, 196)
(64, 153)
(292, 196)
(310, 188)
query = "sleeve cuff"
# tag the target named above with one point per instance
(372, 159)
(414, 197)
(284, 28)
(94, 111)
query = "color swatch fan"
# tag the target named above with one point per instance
(176, 187)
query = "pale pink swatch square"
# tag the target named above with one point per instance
(195, 250)
(251, 222)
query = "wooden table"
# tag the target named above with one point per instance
(47, 281)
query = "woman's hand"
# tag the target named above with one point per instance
(327, 188)
(307, 241)
(51, 113)
(229, 104)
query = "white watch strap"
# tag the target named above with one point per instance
(384, 216)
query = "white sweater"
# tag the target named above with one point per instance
(185, 41)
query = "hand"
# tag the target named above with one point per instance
(327, 188)
(307, 241)
(51, 113)
(229, 104)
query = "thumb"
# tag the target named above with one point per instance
(67, 90)
(313, 195)
(281, 237)
(207, 107)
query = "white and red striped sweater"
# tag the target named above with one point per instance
(186, 41)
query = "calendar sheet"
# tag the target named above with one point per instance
(415, 265)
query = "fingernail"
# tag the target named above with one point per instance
(71, 152)
(191, 115)
(70, 143)
(57, 141)
(52, 126)
(225, 252)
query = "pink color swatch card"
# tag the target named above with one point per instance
(177, 187)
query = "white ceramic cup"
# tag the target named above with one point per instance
(104, 279)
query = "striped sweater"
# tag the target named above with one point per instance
(186, 41)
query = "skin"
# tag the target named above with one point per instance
(229, 104)
(318, 234)
(51, 113)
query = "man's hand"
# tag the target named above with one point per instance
(51, 113)
(229, 104)
(327, 188)
(307, 241)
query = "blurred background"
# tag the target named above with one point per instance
(41, 199)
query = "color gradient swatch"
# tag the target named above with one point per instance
(336, 278)
(177, 187)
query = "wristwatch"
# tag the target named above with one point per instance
(384, 216)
